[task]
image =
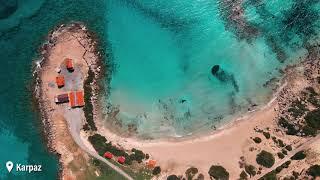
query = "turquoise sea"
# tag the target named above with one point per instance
(160, 63)
(163, 52)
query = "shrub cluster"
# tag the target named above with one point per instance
(101, 145)
(265, 159)
(314, 171)
(218, 173)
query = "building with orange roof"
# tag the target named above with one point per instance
(108, 155)
(60, 81)
(121, 159)
(76, 99)
(151, 163)
(69, 64)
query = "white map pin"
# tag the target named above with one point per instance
(9, 165)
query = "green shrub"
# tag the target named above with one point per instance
(200, 177)
(265, 159)
(137, 155)
(299, 156)
(286, 164)
(266, 135)
(191, 172)
(243, 175)
(284, 151)
(251, 170)
(313, 119)
(173, 177)
(297, 109)
(288, 147)
(257, 140)
(279, 169)
(218, 173)
(280, 155)
(156, 170)
(281, 143)
(314, 171)
(309, 131)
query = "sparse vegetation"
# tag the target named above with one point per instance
(88, 108)
(265, 159)
(299, 156)
(218, 173)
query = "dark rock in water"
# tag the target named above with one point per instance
(215, 69)
(7, 8)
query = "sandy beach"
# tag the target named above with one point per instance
(225, 146)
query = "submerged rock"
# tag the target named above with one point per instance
(215, 69)
(7, 8)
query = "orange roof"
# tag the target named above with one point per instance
(151, 163)
(69, 63)
(80, 98)
(60, 81)
(76, 98)
(121, 159)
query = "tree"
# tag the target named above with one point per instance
(251, 170)
(265, 159)
(172, 177)
(156, 170)
(313, 119)
(191, 172)
(218, 173)
(314, 171)
(299, 156)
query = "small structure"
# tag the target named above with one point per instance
(76, 99)
(61, 98)
(108, 155)
(60, 81)
(69, 64)
(121, 159)
(151, 163)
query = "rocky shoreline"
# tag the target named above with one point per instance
(89, 43)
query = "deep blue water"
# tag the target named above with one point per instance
(24, 25)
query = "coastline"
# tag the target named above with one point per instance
(56, 130)
(171, 152)
(67, 136)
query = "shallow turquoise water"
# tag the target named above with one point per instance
(22, 30)
(163, 52)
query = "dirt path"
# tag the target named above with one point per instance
(75, 124)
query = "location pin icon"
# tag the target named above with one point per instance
(9, 165)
